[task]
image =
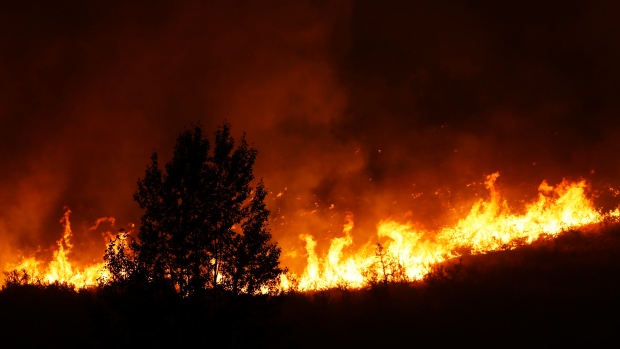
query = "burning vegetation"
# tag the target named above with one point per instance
(408, 254)
(60, 270)
(398, 253)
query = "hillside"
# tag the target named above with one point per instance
(557, 290)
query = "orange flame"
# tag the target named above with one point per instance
(409, 254)
(59, 269)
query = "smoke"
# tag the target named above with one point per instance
(451, 92)
(365, 108)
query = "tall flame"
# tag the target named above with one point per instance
(408, 253)
(60, 269)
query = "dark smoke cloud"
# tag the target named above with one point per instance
(379, 110)
(450, 92)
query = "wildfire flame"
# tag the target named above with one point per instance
(409, 254)
(60, 269)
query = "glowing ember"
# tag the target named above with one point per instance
(408, 254)
(60, 269)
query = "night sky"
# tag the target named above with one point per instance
(381, 110)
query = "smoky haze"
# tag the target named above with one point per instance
(378, 110)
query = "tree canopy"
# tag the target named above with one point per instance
(204, 227)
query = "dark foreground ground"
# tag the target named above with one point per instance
(556, 291)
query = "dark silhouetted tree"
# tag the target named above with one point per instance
(255, 263)
(204, 226)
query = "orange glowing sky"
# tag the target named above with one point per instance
(396, 110)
